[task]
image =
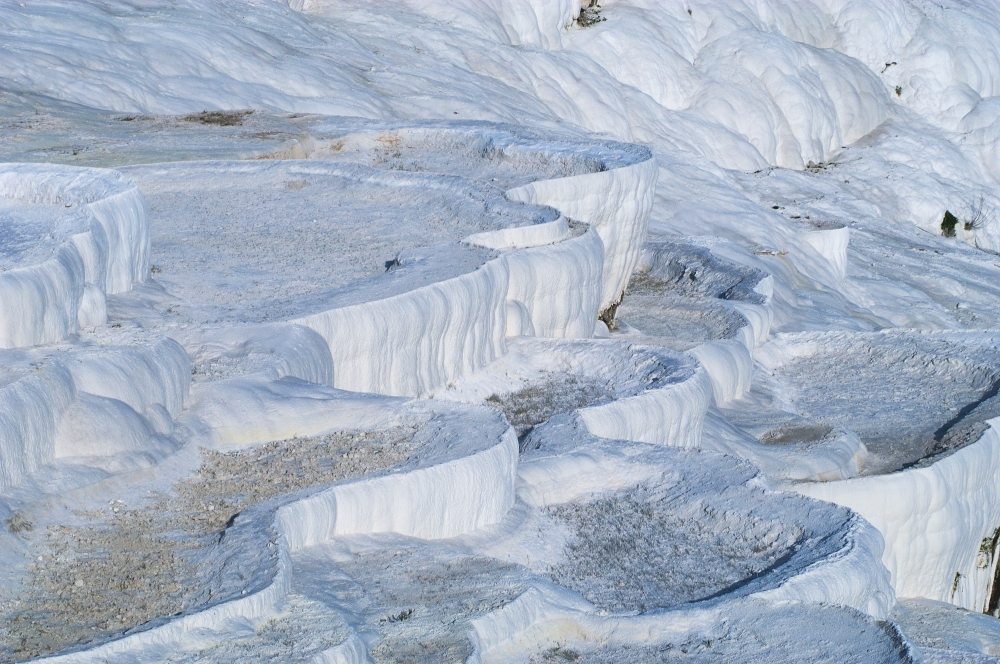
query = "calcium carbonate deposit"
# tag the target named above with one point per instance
(482, 331)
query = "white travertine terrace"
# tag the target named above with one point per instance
(91, 239)
(806, 154)
(939, 522)
(550, 279)
(442, 313)
(448, 327)
(836, 558)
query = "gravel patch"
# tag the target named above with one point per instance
(303, 630)
(558, 393)
(419, 598)
(636, 550)
(779, 635)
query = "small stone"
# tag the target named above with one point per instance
(79, 583)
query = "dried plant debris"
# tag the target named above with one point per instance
(247, 477)
(590, 15)
(19, 523)
(220, 118)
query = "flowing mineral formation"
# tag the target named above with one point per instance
(483, 331)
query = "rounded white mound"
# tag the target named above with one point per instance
(106, 406)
